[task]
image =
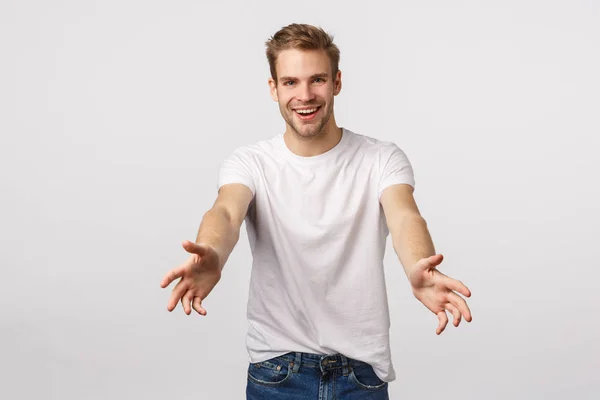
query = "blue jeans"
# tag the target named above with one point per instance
(304, 376)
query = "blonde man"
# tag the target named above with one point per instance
(319, 201)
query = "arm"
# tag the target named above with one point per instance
(220, 227)
(414, 247)
(217, 236)
(410, 238)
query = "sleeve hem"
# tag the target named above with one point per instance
(387, 184)
(226, 181)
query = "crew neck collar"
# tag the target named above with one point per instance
(319, 157)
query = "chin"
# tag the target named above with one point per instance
(311, 131)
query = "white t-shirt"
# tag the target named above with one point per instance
(318, 233)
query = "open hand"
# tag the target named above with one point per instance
(199, 275)
(438, 292)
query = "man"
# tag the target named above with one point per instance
(319, 201)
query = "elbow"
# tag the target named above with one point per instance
(409, 218)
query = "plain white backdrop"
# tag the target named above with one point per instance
(115, 117)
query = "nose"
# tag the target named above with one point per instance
(305, 93)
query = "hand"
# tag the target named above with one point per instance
(199, 275)
(437, 292)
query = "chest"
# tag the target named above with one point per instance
(318, 196)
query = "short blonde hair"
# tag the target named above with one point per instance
(302, 37)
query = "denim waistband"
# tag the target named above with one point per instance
(320, 361)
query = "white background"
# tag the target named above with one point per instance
(115, 117)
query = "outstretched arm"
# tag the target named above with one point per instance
(217, 236)
(220, 226)
(415, 250)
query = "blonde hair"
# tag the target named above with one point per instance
(302, 37)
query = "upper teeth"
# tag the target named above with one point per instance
(308, 111)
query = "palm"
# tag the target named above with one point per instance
(198, 276)
(437, 292)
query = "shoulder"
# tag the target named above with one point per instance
(252, 155)
(382, 149)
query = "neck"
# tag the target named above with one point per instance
(312, 146)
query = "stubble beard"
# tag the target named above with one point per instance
(316, 129)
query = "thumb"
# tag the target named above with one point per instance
(432, 261)
(194, 248)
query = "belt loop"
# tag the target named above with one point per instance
(345, 365)
(296, 362)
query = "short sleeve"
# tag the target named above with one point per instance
(395, 168)
(237, 168)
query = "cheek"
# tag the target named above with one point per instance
(284, 99)
(326, 93)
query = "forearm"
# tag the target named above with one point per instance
(412, 241)
(217, 231)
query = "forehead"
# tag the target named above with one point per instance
(302, 63)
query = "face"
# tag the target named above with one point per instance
(304, 90)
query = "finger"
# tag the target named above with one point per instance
(171, 276)
(456, 317)
(186, 300)
(443, 318)
(457, 286)
(461, 304)
(197, 304)
(178, 291)
(194, 248)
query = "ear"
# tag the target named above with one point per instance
(337, 84)
(273, 88)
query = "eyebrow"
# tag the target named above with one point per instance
(291, 78)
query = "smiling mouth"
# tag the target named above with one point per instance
(306, 113)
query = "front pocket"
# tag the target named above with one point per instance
(270, 372)
(365, 377)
